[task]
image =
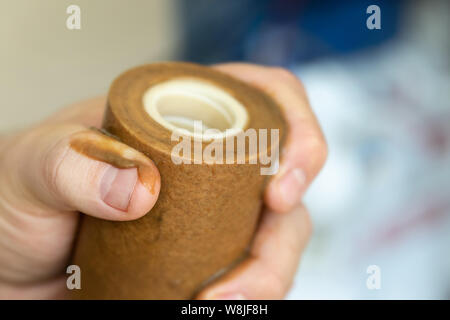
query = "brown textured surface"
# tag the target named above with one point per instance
(205, 215)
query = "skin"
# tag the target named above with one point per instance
(46, 182)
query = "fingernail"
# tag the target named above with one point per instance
(117, 186)
(230, 296)
(291, 186)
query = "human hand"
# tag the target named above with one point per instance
(45, 184)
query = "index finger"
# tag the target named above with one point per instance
(305, 151)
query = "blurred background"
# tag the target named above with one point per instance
(382, 97)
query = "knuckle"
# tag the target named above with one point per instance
(308, 225)
(283, 73)
(50, 169)
(287, 76)
(274, 281)
(51, 163)
(274, 285)
(318, 149)
(303, 224)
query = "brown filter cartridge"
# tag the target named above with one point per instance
(207, 212)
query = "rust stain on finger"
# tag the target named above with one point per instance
(101, 147)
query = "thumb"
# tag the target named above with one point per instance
(71, 168)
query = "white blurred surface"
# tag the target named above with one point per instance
(383, 197)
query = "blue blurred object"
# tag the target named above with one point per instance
(282, 32)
